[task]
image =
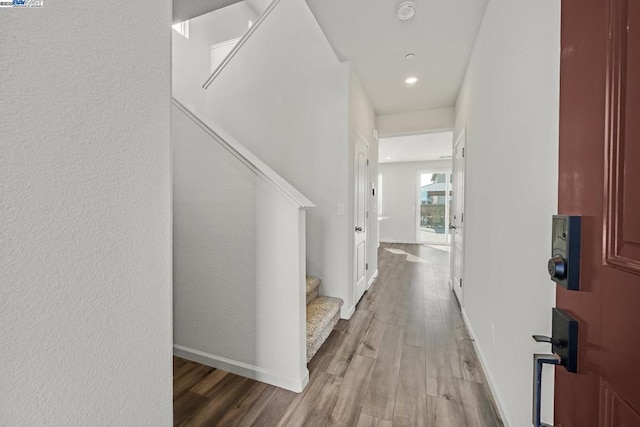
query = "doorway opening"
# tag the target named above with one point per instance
(434, 206)
(415, 200)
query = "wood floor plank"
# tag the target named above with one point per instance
(252, 415)
(414, 333)
(317, 405)
(189, 379)
(370, 344)
(207, 383)
(444, 413)
(351, 395)
(273, 413)
(234, 415)
(346, 350)
(381, 395)
(186, 405)
(479, 409)
(211, 413)
(367, 420)
(411, 391)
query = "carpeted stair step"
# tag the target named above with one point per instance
(313, 283)
(322, 315)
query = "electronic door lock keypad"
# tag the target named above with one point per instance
(564, 265)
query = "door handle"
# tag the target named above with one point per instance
(358, 229)
(539, 360)
(452, 227)
(550, 340)
(564, 346)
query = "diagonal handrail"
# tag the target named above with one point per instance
(248, 158)
(240, 43)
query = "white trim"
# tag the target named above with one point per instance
(346, 314)
(372, 279)
(247, 157)
(405, 242)
(242, 369)
(494, 391)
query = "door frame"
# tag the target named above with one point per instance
(419, 173)
(462, 138)
(358, 138)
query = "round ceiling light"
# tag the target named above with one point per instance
(410, 56)
(406, 10)
(411, 80)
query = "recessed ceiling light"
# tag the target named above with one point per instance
(411, 80)
(410, 56)
(406, 10)
(388, 158)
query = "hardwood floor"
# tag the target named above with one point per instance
(399, 361)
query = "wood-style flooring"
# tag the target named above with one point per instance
(404, 359)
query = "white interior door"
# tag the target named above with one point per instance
(361, 214)
(457, 217)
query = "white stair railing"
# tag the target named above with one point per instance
(241, 43)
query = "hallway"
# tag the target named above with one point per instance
(402, 360)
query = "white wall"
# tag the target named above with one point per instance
(362, 121)
(284, 96)
(238, 262)
(509, 105)
(222, 24)
(85, 217)
(415, 122)
(400, 196)
(189, 70)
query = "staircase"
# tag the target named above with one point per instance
(322, 315)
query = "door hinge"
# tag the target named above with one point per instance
(462, 151)
(366, 266)
(461, 282)
(462, 217)
(367, 162)
(366, 215)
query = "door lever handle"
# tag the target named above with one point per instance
(358, 228)
(539, 360)
(550, 340)
(452, 227)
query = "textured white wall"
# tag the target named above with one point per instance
(85, 215)
(236, 240)
(400, 197)
(415, 122)
(284, 96)
(509, 105)
(362, 121)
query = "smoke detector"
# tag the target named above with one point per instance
(406, 10)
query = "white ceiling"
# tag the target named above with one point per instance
(414, 148)
(368, 33)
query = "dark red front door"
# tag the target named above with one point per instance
(600, 180)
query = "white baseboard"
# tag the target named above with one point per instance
(406, 242)
(242, 369)
(347, 313)
(373, 279)
(496, 396)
